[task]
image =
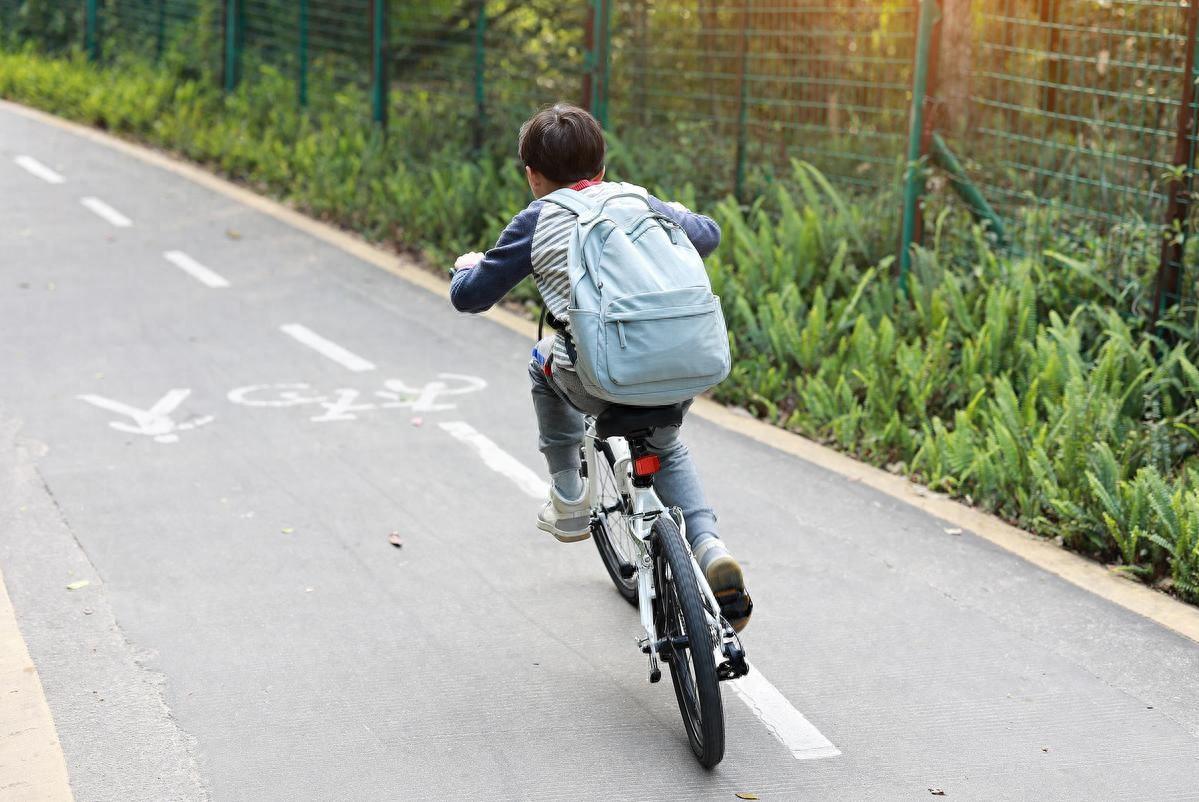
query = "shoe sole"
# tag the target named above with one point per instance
(724, 576)
(564, 537)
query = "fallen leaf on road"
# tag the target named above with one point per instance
(232, 233)
(394, 539)
(417, 421)
(287, 530)
(953, 531)
(936, 792)
(82, 583)
(747, 796)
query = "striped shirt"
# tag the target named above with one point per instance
(535, 243)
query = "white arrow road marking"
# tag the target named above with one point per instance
(782, 720)
(107, 212)
(499, 460)
(40, 170)
(196, 270)
(153, 422)
(332, 350)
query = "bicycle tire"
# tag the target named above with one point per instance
(692, 671)
(603, 524)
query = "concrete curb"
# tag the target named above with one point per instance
(32, 765)
(1087, 574)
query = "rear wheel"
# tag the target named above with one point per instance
(610, 527)
(688, 644)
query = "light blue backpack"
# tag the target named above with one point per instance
(646, 327)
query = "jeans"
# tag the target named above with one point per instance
(560, 403)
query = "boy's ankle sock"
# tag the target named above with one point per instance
(569, 484)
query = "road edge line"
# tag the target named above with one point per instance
(31, 756)
(1171, 613)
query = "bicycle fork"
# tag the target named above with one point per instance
(645, 597)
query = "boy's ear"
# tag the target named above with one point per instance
(602, 172)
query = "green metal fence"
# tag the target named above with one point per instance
(756, 84)
(1084, 106)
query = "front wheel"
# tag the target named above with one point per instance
(688, 644)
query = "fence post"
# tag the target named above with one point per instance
(918, 137)
(589, 60)
(597, 62)
(379, 71)
(233, 40)
(1169, 273)
(91, 30)
(605, 61)
(480, 75)
(302, 57)
(742, 101)
(160, 30)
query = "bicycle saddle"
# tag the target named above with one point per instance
(621, 421)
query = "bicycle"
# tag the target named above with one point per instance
(644, 548)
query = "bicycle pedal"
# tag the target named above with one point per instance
(729, 669)
(735, 605)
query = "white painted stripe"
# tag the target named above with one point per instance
(196, 270)
(499, 460)
(40, 170)
(316, 342)
(107, 212)
(782, 720)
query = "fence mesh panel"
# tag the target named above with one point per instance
(1076, 103)
(1072, 104)
(751, 86)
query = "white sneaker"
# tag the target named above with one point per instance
(567, 520)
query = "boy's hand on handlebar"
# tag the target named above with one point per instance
(468, 260)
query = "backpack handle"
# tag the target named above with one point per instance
(575, 203)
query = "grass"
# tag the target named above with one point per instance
(1025, 383)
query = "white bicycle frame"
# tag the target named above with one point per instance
(645, 507)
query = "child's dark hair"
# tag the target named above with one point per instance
(564, 143)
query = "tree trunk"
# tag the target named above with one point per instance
(956, 62)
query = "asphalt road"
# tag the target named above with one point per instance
(220, 442)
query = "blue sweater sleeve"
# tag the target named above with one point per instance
(478, 288)
(703, 231)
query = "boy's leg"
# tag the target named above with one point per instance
(559, 425)
(678, 485)
(560, 434)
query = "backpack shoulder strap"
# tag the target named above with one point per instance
(570, 200)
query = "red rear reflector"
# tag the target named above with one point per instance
(646, 465)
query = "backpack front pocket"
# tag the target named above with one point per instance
(667, 336)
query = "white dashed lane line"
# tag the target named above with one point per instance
(781, 719)
(107, 212)
(345, 358)
(40, 170)
(498, 459)
(196, 270)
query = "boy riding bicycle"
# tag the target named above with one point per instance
(563, 147)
